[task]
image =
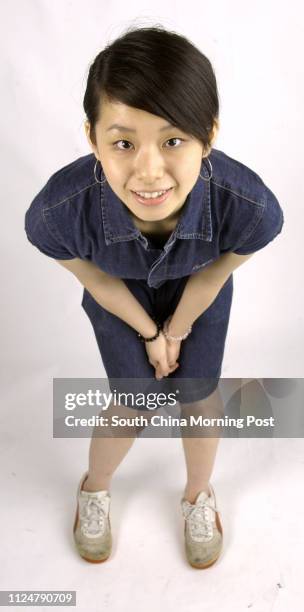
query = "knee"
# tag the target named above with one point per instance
(211, 406)
(119, 422)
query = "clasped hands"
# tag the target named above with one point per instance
(163, 355)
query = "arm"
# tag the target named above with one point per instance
(112, 294)
(201, 290)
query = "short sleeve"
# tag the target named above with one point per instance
(267, 228)
(40, 235)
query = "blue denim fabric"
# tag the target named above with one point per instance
(76, 216)
(201, 354)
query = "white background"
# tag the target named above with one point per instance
(46, 48)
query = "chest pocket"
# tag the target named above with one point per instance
(201, 265)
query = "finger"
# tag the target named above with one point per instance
(164, 367)
(172, 367)
(158, 373)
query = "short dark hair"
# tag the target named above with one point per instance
(158, 71)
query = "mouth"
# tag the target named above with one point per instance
(152, 198)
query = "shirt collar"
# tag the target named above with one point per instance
(194, 222)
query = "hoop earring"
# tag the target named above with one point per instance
(96, 179)
(211, 171)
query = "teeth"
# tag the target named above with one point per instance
(153, 194)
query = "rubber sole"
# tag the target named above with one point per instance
(92, 560)
(205, 565)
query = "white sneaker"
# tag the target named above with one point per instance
(92, 528)
(203, 530)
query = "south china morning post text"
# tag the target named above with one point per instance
(169, 421)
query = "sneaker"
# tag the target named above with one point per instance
(203, 530)
(92, 528)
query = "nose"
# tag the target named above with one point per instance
(149, 166)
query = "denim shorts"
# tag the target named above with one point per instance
(124, 356)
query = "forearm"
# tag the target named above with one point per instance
(202, 289)
(113, 295)
(199, 293)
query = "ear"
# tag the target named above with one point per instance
(215, 130)
(213, 136)
(88, 136)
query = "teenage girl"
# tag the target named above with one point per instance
(153, 223)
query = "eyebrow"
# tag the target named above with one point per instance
(123, 128)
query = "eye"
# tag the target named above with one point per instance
(170, 139)
(121, 149)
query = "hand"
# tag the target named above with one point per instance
(161, 356)
(166, 363)
(173, 350)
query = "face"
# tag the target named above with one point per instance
(146, 154)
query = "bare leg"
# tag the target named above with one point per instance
(200, 452)
(107, 452)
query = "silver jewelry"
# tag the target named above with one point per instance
(177, 338)
(96, 179)
(211, 169)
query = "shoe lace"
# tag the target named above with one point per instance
(92, 516)
(199, 519)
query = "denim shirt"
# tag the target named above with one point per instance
(75, 216)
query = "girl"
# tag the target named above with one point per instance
(153, 223)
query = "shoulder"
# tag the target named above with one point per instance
(70, 181)
(249, 213)
(65, 206)
(231, 177)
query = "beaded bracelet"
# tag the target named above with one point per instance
(142, 339)
(174, 338)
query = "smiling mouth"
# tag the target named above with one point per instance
(147, 198)
(150, 195)
(150, 191)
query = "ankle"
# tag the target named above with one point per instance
(92, 486)
(190, 494)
